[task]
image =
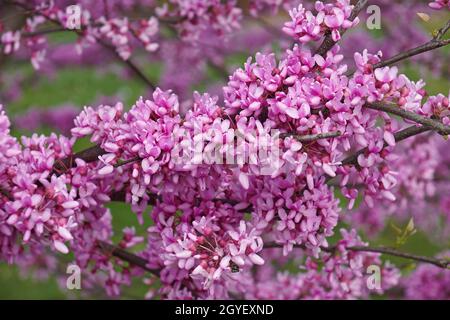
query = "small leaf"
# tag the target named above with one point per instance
(410, 226)
(425, 17)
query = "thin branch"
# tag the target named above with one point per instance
(91, 154)
(125, 162)
(127, 256)
(314, 137)
(434, 43)
(391, 108)
(441, 263)
(120, 196)
(328, 42)
(45, 31)
(431, 45)
(350, 160)
(88, 155)
(133, 67)
(135, 260)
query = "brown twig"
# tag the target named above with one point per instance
(140, 262)
(434, 43)
(127, 256)
(314, 137)
(441, 263)
(125, 162)
(431, 45)
(393, 109)
(44, 31)
(90, 154)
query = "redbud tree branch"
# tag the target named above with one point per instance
(44, 31)
(135, 260)
(314, 137)
(88, 155)
(441, 263)
(91, 154)
(399, 136)
(131, 258)
(434, 43)
(393, 109)
(140, 262)
(325, 46)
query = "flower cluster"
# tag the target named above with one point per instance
(206, 254)
(10, 42)
(194, 17)
(38, 202)
(418, 182)
(427, 282)
(307, 26)
(119, 33)
(345, 273)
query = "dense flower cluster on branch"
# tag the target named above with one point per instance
(233, 187)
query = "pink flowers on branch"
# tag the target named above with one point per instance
(119, 33)
(222, 210)
(307, 26)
